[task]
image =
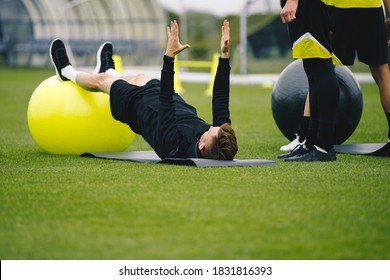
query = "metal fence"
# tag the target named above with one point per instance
(135, 27)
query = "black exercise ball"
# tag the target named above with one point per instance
(289, 96)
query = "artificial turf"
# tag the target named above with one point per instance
(69, 207)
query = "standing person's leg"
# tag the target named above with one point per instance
(313, 104)
(373, 51)
(324, 95)
(369, 39)
(323, 86)
(304, 123)
(302, 129)
(310, 30)
(381, 75)
(298, 16)
(327, 98)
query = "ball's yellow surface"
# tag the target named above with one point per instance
(63, 118)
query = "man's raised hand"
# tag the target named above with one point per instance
(225, 40)
(174, 46)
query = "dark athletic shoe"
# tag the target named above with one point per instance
(59, 57)
(104, 58)
(314, 155)
(298, 150)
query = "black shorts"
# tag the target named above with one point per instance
(312, 17)
(128, 102)
(361, 31)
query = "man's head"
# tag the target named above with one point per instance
(218, 143)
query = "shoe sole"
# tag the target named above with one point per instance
(307, 158)
(59, 75)
(292, 153)
(98, 58)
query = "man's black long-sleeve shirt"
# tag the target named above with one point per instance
(169, 124)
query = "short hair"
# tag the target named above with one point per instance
(225, 147)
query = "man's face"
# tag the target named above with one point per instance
(208, 139)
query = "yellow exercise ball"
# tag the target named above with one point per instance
(63, 118)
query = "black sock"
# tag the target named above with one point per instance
(324, 95)
(311, 134)
(302, 129)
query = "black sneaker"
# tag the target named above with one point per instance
(314, 155)
(104, 58)
(298, 150)
(59, 57)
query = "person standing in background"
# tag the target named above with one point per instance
(359, 26)
(309, 29)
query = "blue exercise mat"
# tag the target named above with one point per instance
(151, 157)
(372, 149)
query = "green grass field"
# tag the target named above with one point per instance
(68, 207)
